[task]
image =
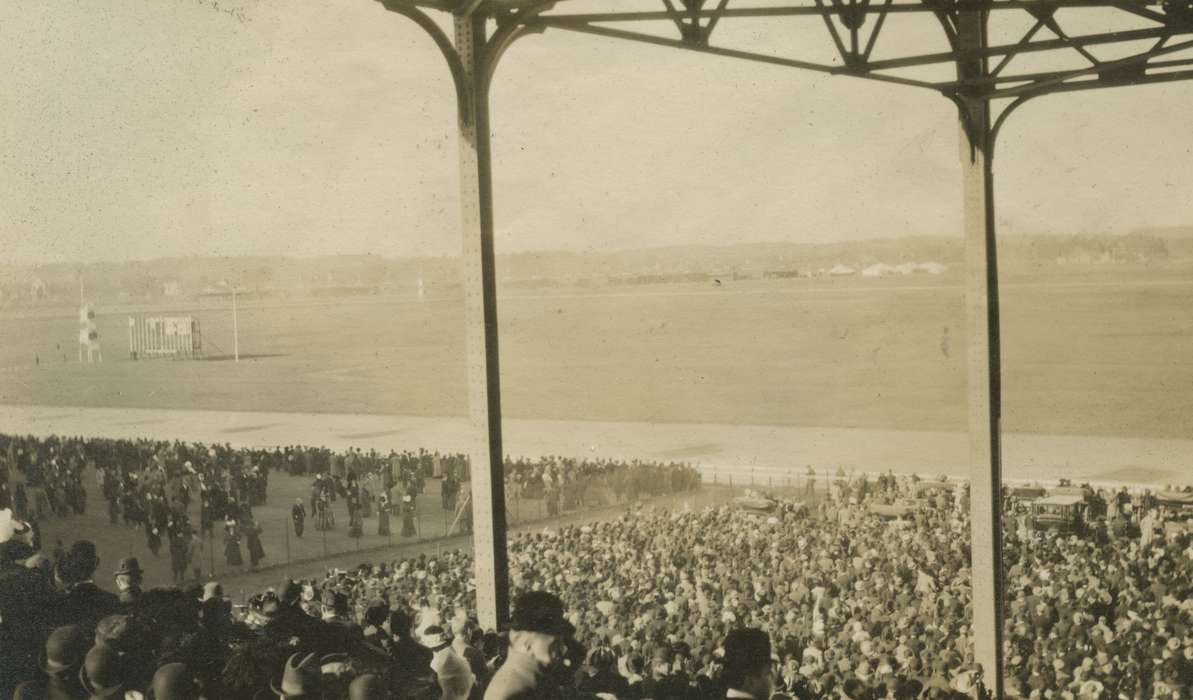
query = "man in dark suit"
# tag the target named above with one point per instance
(25, 607)
(538, 642)
(129, 577)
(747, 665)
(287, 621)
(80, 602)
(411, 674)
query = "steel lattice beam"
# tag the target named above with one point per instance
(853, 27)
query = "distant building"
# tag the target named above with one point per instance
(840, 270)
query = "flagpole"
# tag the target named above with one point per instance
(235, 329)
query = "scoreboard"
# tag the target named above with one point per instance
(164, 336)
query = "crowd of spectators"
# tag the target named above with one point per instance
(855, 605)
(144, 480)
(150, 485)
(566, 483)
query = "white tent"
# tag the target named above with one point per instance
(932, 268)
(878, 270)
(840, 270)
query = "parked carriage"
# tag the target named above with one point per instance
(1065, 513)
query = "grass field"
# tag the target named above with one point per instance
(1104, 354)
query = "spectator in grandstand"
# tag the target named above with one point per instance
(129, 577)
(538, 632)
(464, 630)
(176, 681)
(452, 672)
(410, 670)
(747, 664)
(65, 650)
(26, 602)
(301, 678)
(81, 602)
(604, 676)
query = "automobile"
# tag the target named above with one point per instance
(1095, 506)
(1064, 513)
(1176, 509)
(1175, 503)
(923, 489)
(899, 510)
(753, 500)
(1027, 494)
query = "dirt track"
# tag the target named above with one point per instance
(764, 454)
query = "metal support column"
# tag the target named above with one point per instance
(480, 312)
(983, 364)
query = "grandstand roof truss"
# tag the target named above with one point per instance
(987, 56)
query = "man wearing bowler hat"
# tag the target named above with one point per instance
(81, 602)
(129, 577)
(61, 662)
(538, 633)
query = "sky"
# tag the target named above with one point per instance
(138, 129)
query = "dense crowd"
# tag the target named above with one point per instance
(855, 605)
(150, 485)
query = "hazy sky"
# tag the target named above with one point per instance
(145, 128)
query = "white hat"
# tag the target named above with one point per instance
(432, 636)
